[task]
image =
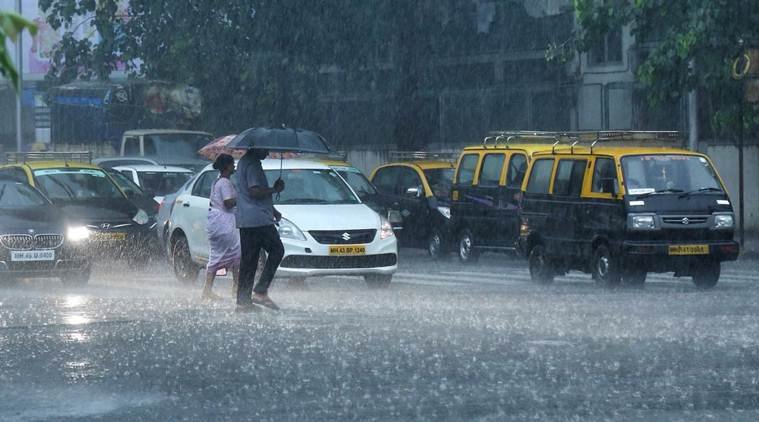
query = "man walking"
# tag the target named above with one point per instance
(256, 219)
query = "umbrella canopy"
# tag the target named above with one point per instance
(280, 139)
(220, 146)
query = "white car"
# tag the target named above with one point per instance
(156, 179)
(325, 228)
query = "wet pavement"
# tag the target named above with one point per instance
(444, 342)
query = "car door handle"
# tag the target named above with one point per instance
(186, 205)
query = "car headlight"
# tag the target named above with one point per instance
(141, 217)
(289, 230)
(386, 229)
(643, 222)
(724, 221)
(77, 233)
(446, 211)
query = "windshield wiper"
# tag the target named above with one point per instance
(643, 195)
(304, 201)
(709, 189)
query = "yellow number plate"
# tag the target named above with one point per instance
(109, 237)
(689, 250)
(347, 250)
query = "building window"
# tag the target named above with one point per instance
(608, 49)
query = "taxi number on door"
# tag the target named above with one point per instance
(347, 250)
(689, 249)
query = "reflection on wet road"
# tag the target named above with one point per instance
(444, 342)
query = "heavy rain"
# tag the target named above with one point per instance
(444, 210)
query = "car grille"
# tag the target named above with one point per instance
(339, 262)
(685, 220)
(22, 242)
(343, 237)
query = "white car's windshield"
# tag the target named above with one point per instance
(357, 181)
(71, 184)
(162, 183)
(308, 186)
(645, 174)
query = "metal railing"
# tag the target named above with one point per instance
(22, 157)
(422, 155)
(582, 138)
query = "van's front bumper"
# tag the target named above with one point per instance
(723, 250)
(309, 259)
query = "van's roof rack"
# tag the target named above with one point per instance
(572, 139)
(23, 157)
(422, 155)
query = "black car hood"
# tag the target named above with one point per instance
(99, 210)
(42, 219)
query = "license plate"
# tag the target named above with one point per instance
(25, 256)
(109, 237)
(689, 249)
(347, 250)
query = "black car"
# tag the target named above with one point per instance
(36, 240)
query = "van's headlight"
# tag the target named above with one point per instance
(724, 221)
(446, 211)
(77, 233)
(643, 222)
(288, 230)
(386, 229)
(141, 217)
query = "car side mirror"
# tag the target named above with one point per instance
(414, 192)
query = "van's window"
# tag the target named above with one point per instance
(149, 146)
(203, 186)
(465, 175)
(569, 177)
(132, 146)
(540, 178)
(15, 174)
(516, 171)
(651, 173)
(490, 173)
(440, 181)
(604, 176)
(385, 180)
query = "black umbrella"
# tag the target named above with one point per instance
(280, 139)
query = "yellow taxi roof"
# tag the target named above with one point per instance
(49, 164)
(616, 151)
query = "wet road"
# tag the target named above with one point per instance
(444, 342)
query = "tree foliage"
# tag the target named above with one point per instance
(11, 27)
(690, 45)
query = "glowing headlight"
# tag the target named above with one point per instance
(643, 222)
(141, 217)
(77, 233)
(446, 211)
(386, 229)
(288, 230)
(724, 221)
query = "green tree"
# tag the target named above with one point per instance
(692, 44)
(11, 27)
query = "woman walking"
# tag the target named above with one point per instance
(223, 236)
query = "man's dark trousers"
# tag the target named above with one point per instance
(252, 240)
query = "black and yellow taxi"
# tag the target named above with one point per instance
(621, 211)
(486, 192)
(87, 195)
(417, 185)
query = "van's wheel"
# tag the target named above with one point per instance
(185, 270)
(541, 270)
(435, 245)
(467, 253)
(378, 281)
(604, 267)
(707, 274)
(74, 279)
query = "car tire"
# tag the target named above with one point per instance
(541, 270)
(436, 245)
(467, 253)
(707, 274)
(378, 281)
(74, 279)
(185, 270)
(604, 267)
